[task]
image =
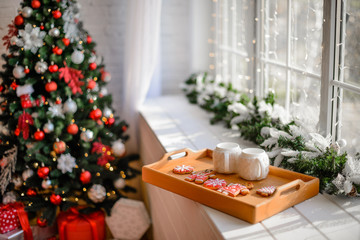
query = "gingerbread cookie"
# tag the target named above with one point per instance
(244, 190)
(183, 169)
(231, 190)
(215, 183)
(266, 191)
(200, 177)
(248, 185)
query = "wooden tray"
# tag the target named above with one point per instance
(291, 187)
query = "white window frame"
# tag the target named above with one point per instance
(332, 78)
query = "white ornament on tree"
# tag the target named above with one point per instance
(48, 127)
(54, 32)
(66, 163)
(77, 57)
(55, 110)
(107, 112)
(87, 136)
(104, 92)
(118, 148)
(26, 12)
(70, 106)
(92, 58)
(9, 197)
(41, 67)
(97, 193)
(23, 90)
(119, 183)
(27, 173)
(31, 38)
(46, 184)
(18, 72)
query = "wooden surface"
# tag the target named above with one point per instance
(170, 123)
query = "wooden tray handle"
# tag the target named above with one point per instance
(188, 152)
(289, 188)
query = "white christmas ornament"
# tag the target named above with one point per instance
(70, 106)
(46, 184)
(87, 136)
(107, 112)
(54, 32)
(27, 173)
(97, 193)
(77, 57)
(92, 58)
(128, 220)
(48, 127)
(118, 148)
(66, 163)
(41, 67)
(26, 12)
(31, 38)
(119, 183)
(18, 72)
(25, 89)
(9, 197)
(17, 182)
(55, 110)
(104, 92)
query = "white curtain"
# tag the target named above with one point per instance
(140, 59)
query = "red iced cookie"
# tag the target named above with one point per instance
(183, 169)
(266, 191)
(215, 183)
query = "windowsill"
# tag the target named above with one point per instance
(178, 124)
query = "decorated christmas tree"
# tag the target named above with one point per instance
(61, 145)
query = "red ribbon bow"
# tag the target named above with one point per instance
(24, 121)
(74, 215)
(24, 221)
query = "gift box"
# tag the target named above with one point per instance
(129, 219)
(17, 234)
(12, 217)
(73, 225)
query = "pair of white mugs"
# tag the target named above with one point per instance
(250, 163)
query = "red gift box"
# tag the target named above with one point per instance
(73, 225)
(12, 216)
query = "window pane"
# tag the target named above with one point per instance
(306, 35)
(350, 127)
(352, 47)
(275, 25)
(242, 80)
(305, 98)
(275, 79)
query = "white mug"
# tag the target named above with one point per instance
(225, 157)
(253, 164)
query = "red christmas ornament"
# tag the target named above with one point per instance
(53, 68)
(124, 128)
(51, 86)
(39, 135)
(91, 100)
(55, 199)
(110, 121)
(26, 70)
(73, 129)
(88, 39)
(42, 27)
(91, 84)
(43, 172)
(56, 50)
(85, 177)
(35, 4)
(31, 192)
(92, 66)
(66, 41)
(56, 14)
(59, 147)
(1, 88)
(17, 132)
(95, 114)
(41, 222)
(19, 20)
(58, 101)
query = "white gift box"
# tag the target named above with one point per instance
(129, 219)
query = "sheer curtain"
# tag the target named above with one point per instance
(140, 60)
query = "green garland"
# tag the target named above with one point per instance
(288, 143)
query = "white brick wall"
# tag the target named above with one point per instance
(105, 21)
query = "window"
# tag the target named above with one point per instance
(305, 51)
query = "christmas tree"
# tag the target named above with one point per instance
(61, 145)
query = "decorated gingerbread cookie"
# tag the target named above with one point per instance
(183, 169)
(200, 177)
(266, 191)
(215, 183)
(235, 189)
